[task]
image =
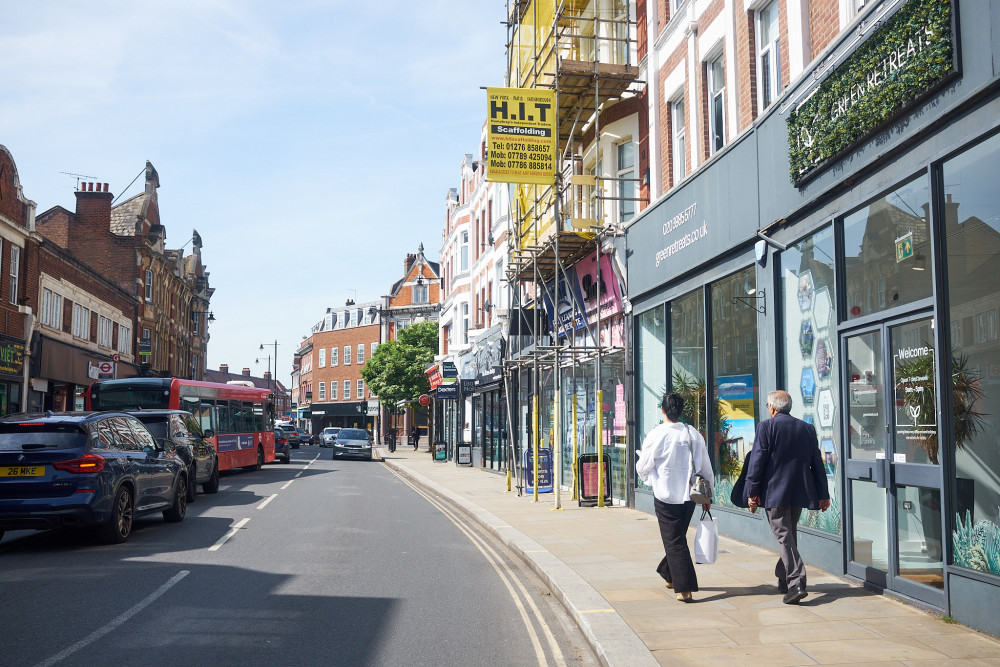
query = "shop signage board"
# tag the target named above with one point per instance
(145, 347)
(447, 392)
(521, 135)
(698, 222)
(908, 55)
(11, 358)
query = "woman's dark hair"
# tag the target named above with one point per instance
(673, 405)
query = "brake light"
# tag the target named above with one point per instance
(87, 463)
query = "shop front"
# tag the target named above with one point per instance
(11, 374)
(861, 277)
(64, 371)
(590, 374)
(481, 375)
(347, 414)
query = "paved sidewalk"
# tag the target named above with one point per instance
(601, 564)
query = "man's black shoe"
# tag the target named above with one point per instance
(793, 596)
(782, 586)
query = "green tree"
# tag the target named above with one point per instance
(396, 371)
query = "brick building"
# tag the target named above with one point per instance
(17, 231)
(127, 243)
(414, 298)
(331, 361)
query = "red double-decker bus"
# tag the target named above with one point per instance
(236, 419)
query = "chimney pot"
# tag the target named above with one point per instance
(105, 187)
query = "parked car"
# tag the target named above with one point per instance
(305, 438)
(282, 448)
(98, 469)
(353, 442)
(180, 430)
(291, 433)
(328, 438)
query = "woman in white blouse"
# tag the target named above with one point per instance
(670, 454)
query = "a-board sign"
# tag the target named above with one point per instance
(587, 469)
(544, 470)
(440, 451)
(463, 454)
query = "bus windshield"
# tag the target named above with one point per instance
(131, 398)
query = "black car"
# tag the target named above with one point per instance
(282, 448)
(98, 469)
(178, 429)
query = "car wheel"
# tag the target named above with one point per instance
(119, 527)
(192, 487)
(212, 485)
(179, 508)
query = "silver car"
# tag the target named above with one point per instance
(328, 438)
(353, 442)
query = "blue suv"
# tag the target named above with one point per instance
(86, 469)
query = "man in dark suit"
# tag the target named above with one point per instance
(786, 474)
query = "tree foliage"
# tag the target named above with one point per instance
(396, 370)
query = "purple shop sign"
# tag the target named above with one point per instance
(610, 291)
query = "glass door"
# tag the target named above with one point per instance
(892, 469)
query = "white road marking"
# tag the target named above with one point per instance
(287, 484)
(299, 473)
(264, 504)
(100, 632)
(230, 533)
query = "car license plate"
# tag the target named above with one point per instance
(22, 471)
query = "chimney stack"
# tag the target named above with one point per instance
(93, 212)
(410, 259)
(267, 375)
(246, 372)
(224, 368)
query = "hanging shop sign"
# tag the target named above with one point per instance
(521, 136)
(433, 373)
(905, 58)
(447, 392)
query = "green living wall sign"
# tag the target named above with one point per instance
(907, 55)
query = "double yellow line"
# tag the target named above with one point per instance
(507, 575)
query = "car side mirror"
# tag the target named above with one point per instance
(209, 433)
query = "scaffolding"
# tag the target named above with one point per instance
(583, 51)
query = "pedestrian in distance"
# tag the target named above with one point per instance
(670, 454)
(784, 475)
(414, 437)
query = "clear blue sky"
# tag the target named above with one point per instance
(310, 142)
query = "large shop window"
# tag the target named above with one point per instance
(972, 240)
(887, 251)
(808, 297)
(736, 384)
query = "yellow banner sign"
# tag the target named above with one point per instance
(522, 139)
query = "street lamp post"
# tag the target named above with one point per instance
(273, 385)
(196, 330)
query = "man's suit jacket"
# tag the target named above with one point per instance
(786, 468)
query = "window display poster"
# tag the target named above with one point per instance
(735, 395)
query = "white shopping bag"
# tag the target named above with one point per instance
(706, 540)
